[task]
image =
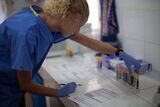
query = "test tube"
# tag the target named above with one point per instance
(117, 74)
(126, 77)
(159, 89)
(137, 84)
(131, 79)
(99, 62)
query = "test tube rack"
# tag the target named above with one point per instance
(131, 78)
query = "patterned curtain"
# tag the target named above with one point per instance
(35, 1)
(109, 24)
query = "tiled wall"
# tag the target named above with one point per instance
(139, 22)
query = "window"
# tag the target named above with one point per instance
(2, 11)
(94, 17)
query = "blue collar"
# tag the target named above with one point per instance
(36, 9)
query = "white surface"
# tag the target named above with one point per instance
(69, 69)
(148, 94)
(127, 101)
(65, 69)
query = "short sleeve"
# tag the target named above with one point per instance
(22, 50)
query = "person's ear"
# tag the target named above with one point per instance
(65, 15)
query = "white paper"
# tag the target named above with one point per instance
(95, 98)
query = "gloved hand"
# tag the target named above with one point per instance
(67, 89)
(131, 63)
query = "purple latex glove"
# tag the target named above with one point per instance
(131, 63)
(67, 89)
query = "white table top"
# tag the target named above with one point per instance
(82, 70)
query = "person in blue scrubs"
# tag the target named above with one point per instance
(25, 39)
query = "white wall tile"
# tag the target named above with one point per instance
(152, 26)
(133, 23)
(133, 47)
(152, 54)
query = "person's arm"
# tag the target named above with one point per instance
(106, 48)
(26, 84)
(94, 44)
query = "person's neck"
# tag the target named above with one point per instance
(53, 23)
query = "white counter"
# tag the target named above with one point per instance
(82, 70)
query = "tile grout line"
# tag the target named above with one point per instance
(146, 100)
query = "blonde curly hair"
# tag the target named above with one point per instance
(58, 7)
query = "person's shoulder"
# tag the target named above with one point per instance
(21, 21)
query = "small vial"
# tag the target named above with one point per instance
(131, 80)
(117, 74)
(159, 90)
(99, 62)
(69, 52)
(137, 87)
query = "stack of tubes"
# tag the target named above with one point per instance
(131, 78)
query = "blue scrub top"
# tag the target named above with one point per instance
(25, 40)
